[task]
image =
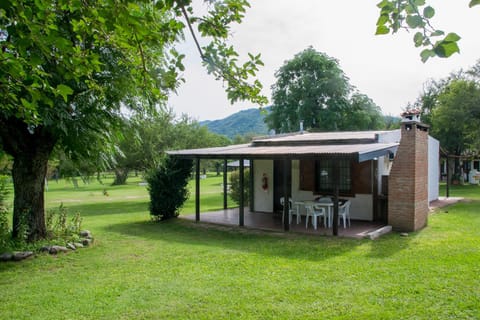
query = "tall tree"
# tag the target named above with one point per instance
(144, 141)
(70, 68)
(457, 114)
(310, 88)
(363, 114)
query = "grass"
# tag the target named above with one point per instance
(181, 270)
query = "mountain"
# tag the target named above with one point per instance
(240, 123)
(251, 121)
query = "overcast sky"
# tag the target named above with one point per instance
(387, 68)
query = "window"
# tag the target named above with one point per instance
(324, 179)
(355, 178)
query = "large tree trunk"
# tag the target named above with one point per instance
(29, 171)
(30, 147)
(121, 175)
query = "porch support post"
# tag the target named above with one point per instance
(286, 196)
(225, 195)
(251, 186)
(197, 189)
(336, 177)
(241, 215)
(448, 178)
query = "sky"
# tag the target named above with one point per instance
(387, 68)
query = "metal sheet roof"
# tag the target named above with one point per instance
(357, 152)
(317, 138)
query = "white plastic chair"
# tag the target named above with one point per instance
(344, 213)
(290, 210)
(327, 204)
(315, 212)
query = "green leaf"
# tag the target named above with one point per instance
(428, 12)
(382, 30)
(437, 33)
(414, 21)
(452, 37)
(419, 3)
(383, 3)
(426, 54)
(382, 20)
(474, 3)
(64, 91)
(446, 49)
(418, 39)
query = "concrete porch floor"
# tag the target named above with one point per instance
(273, 222)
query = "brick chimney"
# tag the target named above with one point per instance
(408, 180)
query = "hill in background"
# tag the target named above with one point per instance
(240, 123)
(251, 121)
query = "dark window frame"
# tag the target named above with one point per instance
(324, 183)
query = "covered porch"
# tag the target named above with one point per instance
(273, 222)
(302, 167)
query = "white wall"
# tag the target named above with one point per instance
(263, 200)
(384, 163)
(362, 204)
(433, 168)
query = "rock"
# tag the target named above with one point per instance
(17, 256)
(87, 242)
(71, 246)
(85, 234)
(6, 256)
(403, 234)
(45, 249)
(57, 249)
(78, 245)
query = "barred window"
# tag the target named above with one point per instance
(325, 179)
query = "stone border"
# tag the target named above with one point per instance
(86, 240)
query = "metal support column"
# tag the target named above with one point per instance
(225, 181)
(197, 189)
(336, 177)
(241, 216)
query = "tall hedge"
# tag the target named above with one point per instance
(168, 188)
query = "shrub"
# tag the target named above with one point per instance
(5, 231)
(235, 186)
(58, 225)
(3, 190)
(168, 188)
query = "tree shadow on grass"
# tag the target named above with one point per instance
(285, 245)
(389, 245)
(108, 208)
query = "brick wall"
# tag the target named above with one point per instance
(408, 180)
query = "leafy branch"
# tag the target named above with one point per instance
(416, 15)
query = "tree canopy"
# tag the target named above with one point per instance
(456, 116)
(451, 107)
(70, 69)
(313, 88)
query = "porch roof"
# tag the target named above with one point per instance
(358, 152)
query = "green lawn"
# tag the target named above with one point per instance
(181, 270)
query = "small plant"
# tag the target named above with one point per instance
(5, 231)
(23, 230)
(3, 190)
(58, 225)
